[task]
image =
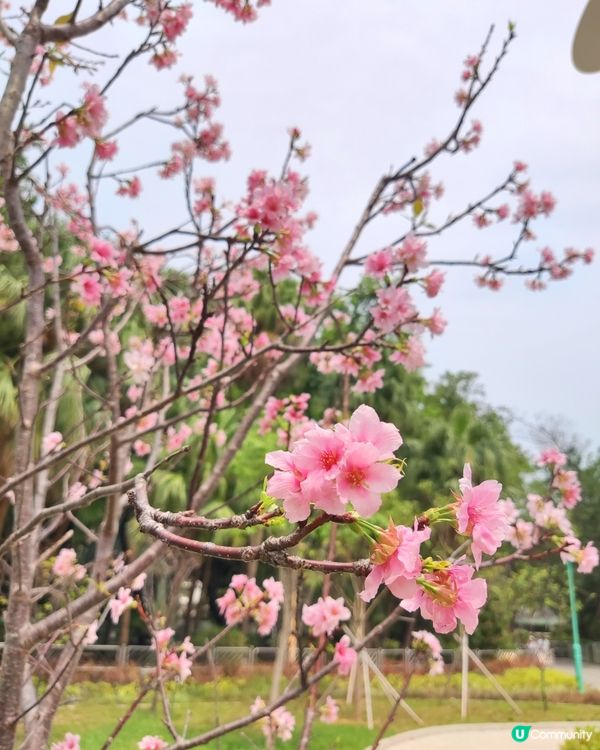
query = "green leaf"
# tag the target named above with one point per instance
(63, 20)
(418, 207)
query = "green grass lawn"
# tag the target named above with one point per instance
(92, 709)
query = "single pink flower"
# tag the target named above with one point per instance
(325, 615)
(362, 480)
(162, 638)
(586, 558)
(120, 603)
(70, 742)
(329, 711)
(366, 427)
(106, 150)
(448, 595)
(522, 535)
(286, 485)
(552, 457)
(345, 656)
(479, 515)
(379, 263)
(434, 282)
(65, 565)
(51, 441)
(396, 562)
(151, 742)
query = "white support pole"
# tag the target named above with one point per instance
(478, 663)
(464, 683)
(391, 691)
(351, 683)
(367, 684)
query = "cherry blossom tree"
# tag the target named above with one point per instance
(159, 338)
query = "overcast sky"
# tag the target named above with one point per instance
(370, 82)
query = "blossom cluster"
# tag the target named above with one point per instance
(245, 598)
(66, 565)
(549, 515)
(444, 591)
(279, 723)
(288, 415)
(87, 120)
(323, 618)
(170, 21)
(329, 468)
(242, 10)
(174, 660)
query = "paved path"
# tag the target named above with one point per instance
(591, 672)
(478, 736)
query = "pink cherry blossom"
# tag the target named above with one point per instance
(331, 468)
(586, 558)
(141, 448)
(396, 561)
(363, 479)
(178, 663)
(91, 634)
(283, 723)
(448, 595)
(274, 589)
(244, 598)
(179, 309)
(92, 115)
(130, 188)
(51, 441)
(437, 323)
(479, 515)
(434, 282)
(151, 742)
(379, 263)
(412, 253)
(567, 483)
(369, 382)
(118, 604)
(106, 150)
(325, 615)
(70, 742)
(65, 565)
(430, 641)
(411, 355)
(552, 457)
(138, 582)
(266, 616)
(68, 134)
(161, 638)
(76, 491)
(345, 656)
(426, 643)
(521, 535)
(394, 307)
(366, 427)
(286, 485)
(551, 517)
(320, 453)
(89, 288)
(163, 59)
(510, 510)
(102, 252)
(329, 711)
